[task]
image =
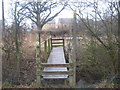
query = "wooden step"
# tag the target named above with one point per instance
(54, 70)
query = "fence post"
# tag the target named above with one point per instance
(72, 79)
(38, 61)
(70, 70)
(63, 43)
(49, 46)
(45, 50)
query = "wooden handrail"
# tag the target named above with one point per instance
(57, 39)
(58, 42)
(46, 44)
(45, 40)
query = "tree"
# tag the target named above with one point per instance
(118, 72)
(3, 19)
(40, 13)
(17, 23)
(103, 30)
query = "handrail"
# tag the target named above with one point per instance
(46, 44)
(58, 43)
(44, 41)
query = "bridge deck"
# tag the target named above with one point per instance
(56, 57)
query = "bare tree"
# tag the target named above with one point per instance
(104, 29)
(3, 19)
(40, 13)
(118, 80)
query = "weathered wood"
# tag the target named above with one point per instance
(72, 78)
(45, 51)
(57, 45)
(56, 73)
(38, 66)
(56, 65)
(51, 44)
(63, 43)
(57, 42)
(57, 39)
(56, 57)
(49, 48)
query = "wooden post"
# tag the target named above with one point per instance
(45, 51)
(49, 46)
(38, 62)
(63, 43)
(71, 83)
(73, 58)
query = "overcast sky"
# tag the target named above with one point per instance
(64, 14)
(0, 10)
(7, 6)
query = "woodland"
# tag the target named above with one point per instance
(97, 53)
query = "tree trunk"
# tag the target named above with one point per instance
(17, 43)
(3, 19)
(118, 75)
(38, 49)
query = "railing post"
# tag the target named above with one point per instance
(38, 61)
(49, 46)
(45, 51)
(71, 84)
(72, 78)
(63, 43)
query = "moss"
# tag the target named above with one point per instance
(6, 84)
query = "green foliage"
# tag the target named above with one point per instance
(95, 62)
(6, 84)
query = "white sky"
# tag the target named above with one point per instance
(0, 10)
(6, 8)
(64, 14)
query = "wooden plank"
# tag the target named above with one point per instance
(57, 45)
(57, 42)
(57, 39)
(56, 57)
(56, 65)
(56, 73)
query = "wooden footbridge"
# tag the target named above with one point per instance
(55, 66)
(55, 63)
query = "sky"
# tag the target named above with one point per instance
(7, 6)
(64, 14)
(0, 10)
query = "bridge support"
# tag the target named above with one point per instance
(72, 78)
(48, 45)
(45, 51)
(38, 61)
